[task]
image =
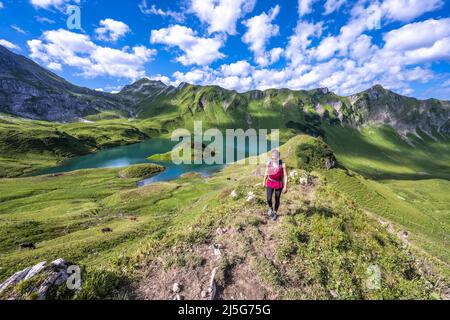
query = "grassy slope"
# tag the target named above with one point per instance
(380, 153)
(64, 216)
(408, 185)
(27, 146)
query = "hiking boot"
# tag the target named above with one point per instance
(274, 216)
(270, 213)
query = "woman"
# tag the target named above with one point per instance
(275, 179)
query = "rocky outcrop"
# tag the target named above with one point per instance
(30, 91)
(45, 279)
(378, 105)
(145, 88)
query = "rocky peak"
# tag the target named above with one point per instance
(144, 85)
(182, 85)
(31, 91)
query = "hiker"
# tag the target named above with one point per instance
(275, 179)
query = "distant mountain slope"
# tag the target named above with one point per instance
(30, 91)
(304, 111)
(380, 106)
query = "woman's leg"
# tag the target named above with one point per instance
(269, 197)
(278, 199)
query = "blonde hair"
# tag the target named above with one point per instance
(276, 153)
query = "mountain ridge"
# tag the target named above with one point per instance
(30, 91)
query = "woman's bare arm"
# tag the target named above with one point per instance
(285, 178)
(266, 175)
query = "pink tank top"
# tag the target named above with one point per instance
(275, 180)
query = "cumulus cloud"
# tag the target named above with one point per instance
(369, 17)
(416, 43)
(259, 31)
(235, 76)
(396, 63)
(305, 7)
(406, 10)
(239, 68)
(8, 44)
(46, 4)
(196, 50)
(333, 5)
(304, 33)
(417, 35)
(363, 19)
(62, 47)
(111, 30)
(153, 10)
(349, 60)
(221, 15)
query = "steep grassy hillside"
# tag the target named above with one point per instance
(28, 145)
(379, 152)
(409, 180)
(179, 231)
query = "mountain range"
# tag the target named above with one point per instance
(30, 91)
(384, 205)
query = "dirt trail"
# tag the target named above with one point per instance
(235, 252)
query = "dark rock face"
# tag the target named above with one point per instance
(30, 91)
(381, 106)
(145, 88)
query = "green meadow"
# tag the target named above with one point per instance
(327, 236)
(405, 183)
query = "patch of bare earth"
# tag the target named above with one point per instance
(228, 257)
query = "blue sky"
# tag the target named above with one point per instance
(344, 45)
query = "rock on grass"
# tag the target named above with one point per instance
(142, 171)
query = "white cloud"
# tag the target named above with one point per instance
(55, 66)
(111, 30)
(221, 15)
(177, 16)
(304, 33)
(440, 50)
(333, 5)
(362, 49)
(63, 47)
(369, 17)
(163, 79)
(417, 35)
(305, 7)
(416, 43)
(362, 19)
(196, 50)
(406, 10)
(235, 83)
(18, 29)
(196, 76)
(1, 5)
(395, 65)
(46, 4)
(239, 68)
(8, 44)
(44, 20)
(351, 60)
(275, 54)
(270, 78)
(259, 31)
